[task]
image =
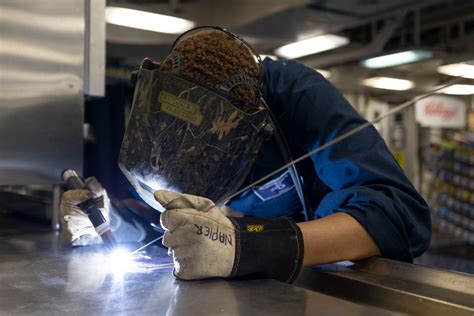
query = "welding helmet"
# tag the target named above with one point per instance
(190, 137)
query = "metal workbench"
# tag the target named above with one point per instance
(39, 274)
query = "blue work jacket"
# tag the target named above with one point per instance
(357, 176)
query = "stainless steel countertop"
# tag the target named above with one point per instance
(404, 287)
(40, 275)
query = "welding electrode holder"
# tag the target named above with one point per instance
(91, 207)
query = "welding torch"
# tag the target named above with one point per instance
(91, 207)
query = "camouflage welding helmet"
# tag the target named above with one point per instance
(187, 137)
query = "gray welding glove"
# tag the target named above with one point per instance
(205, 243)
(75, 225)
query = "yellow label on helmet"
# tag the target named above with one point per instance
(180, 108)
(255, 228)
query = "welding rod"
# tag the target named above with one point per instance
(146, 245)
(90, 207)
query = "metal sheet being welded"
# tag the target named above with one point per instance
(40, 276)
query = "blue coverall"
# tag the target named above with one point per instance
(358, 176)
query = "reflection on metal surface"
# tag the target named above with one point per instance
(41, 98)
(400, 286)
(28, 16)
(121, 260)
(38, 275)
(28, 50)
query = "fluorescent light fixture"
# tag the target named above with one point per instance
(396, 59)
(388, 83)
(312, 45)
(273, 57)
(147, 21)
(464, 69)
(324, 73)
(458, 89)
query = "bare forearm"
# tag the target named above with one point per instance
(335, 238)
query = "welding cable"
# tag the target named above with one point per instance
(338, 139)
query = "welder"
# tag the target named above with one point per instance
(212, 118)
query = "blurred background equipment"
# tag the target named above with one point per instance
(451, 193)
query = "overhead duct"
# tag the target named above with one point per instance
(376, 46)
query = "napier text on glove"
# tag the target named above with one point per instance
(207, 231)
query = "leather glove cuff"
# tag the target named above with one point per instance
(268, 247)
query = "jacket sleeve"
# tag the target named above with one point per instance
(365, 180)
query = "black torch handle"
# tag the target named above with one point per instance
(90, 207)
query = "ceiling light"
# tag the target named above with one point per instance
(312, 45)
(459, 89)
(324, 73)
(273, 57)
(388, 83)
(147, 20)
(396, 59)
(464, 69)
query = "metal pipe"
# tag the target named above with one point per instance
(374, 47)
